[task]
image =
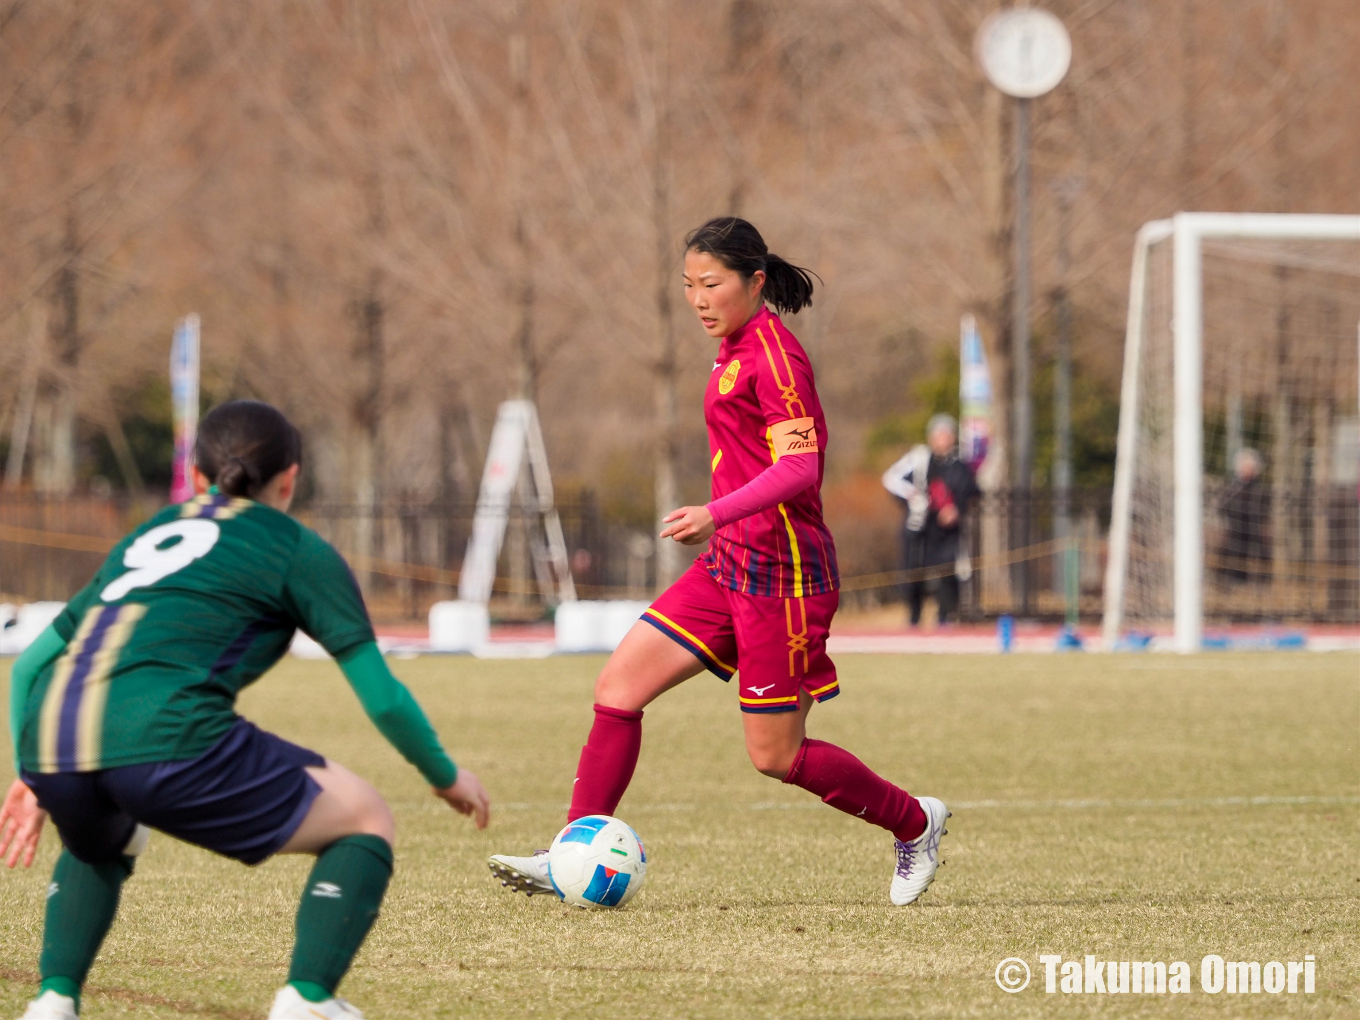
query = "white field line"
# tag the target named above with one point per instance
(1087, 804)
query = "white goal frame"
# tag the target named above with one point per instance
(1187, 232)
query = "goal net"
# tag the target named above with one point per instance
(1239, 438)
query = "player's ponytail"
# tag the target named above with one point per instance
(243, 444)
(787, 287)
(738, 245)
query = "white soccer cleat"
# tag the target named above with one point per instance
(51, 1006)
(918, 859)
(528, 875)
(290, 1005)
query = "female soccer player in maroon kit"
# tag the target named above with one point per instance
(762, 597)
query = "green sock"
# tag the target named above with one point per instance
(81, 902)
(339, 905)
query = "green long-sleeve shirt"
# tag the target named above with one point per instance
(146, 662)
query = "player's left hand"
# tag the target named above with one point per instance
(21, 822)
(467, 797)
(690, 525)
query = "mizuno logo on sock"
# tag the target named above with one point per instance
(52, 889)
(329, 890)
(759, 692)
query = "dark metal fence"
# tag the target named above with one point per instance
(49, 548)
(1029, 556)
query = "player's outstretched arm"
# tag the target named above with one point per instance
(21, 823)
(400, 719)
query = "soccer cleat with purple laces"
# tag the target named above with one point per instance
(917, 859)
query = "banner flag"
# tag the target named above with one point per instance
(184, 363)
(975, 396)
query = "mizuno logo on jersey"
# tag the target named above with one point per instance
(326, 890)
(796, 435)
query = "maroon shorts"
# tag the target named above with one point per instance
(779, 644)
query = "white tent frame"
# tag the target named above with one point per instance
(1187, 232)
(516, 434)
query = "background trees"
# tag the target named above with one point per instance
(393, 215)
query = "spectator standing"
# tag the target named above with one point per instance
(936, 488)
(1244, 551)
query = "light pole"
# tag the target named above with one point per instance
(1066, 190)
(1025, 52)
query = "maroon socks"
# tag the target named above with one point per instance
(607, 762)
(847, 784)
(832, 773)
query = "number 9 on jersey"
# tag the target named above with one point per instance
(152, 560)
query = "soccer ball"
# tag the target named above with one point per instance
(597, 861)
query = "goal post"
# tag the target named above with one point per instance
(1280, 298)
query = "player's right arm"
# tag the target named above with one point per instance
(21, 819)
(22, 675)
(50, 644)
(325, 599)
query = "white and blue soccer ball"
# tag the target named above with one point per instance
(597, 861)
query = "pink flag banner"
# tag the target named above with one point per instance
(975, 396)
(184, 397)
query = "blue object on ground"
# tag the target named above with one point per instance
(1268, 640)
(1133, 641)
(1069, 640)
(1005, 632)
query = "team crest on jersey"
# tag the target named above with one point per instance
(729, 378)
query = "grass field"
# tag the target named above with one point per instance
(1101, 805)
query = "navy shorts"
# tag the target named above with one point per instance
(244, 798)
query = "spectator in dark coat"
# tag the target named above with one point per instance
(936, 488)
(1244, 550)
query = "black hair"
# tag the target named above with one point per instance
(739, 246)
(243, 444)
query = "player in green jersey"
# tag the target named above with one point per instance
(123, 719)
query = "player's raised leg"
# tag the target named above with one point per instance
(780, 748)
(646, 664)
(786, 669)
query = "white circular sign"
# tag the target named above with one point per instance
(1024, 51)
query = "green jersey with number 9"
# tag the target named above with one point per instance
(186, 611)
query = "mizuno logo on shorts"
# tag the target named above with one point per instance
(329, 890)
(759, 692)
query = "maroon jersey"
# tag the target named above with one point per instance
(761, 404)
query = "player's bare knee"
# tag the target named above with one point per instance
(363, 809)
(774, 762)
(371, 814)
(611, 686)
(378, 821)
